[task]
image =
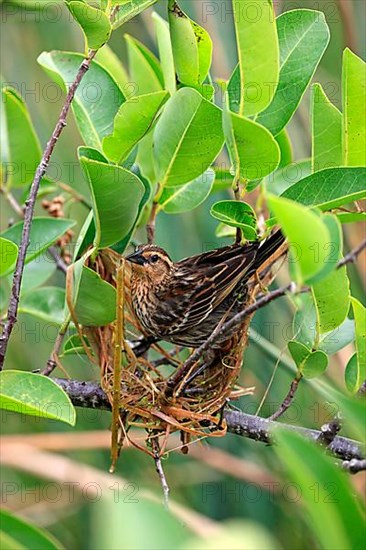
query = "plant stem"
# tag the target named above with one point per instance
(29, 208)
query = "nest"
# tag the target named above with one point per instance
(147, 393)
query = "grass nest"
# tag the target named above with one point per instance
(156, 391)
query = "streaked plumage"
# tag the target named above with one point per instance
(183, 302)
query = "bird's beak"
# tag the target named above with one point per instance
(136, 258)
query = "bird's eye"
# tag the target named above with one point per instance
(154, 258)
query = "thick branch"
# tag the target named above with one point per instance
(29, 208)
(91, 395)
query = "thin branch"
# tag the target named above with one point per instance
(286, 403)
(351, 257)
(52, 361)
(13, 202)
(160, 471)
(60, 263)
(150, 226)
(91, 395)
(30, 204)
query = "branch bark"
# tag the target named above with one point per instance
(90, 395)
(30, 204)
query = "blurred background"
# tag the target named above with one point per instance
(61, 482)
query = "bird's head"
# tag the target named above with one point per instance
(150, 262)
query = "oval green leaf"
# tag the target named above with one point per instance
(359, 312)
(329, 188)
(97, 98)
(8, 256)
(326, 131)
(35, 395)
(237, 214)
(21, 151)
(44, 232)
(309, 249)
(116, 194)
(303, 37)
(258, 53)
(191, 45)
(94, 300)
(132, 122)
(175, 200)
(94, 23)
(165, 52)
(46, 303)
(187, 138)
(145, 71)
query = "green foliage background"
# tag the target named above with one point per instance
(257, 514)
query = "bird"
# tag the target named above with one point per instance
(183, 302)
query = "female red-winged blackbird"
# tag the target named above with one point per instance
(183, 302)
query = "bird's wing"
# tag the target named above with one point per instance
(201, 283)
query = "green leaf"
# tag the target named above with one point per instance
(332, 293)
(145, 157)
(46, 303)
(237, 214)
(112, 64)
(308, 248)
(74, 346)
(94, 23)
(94, 300)
(116, 194)
(299, 352)
(44, 232)
(132, 122)
(192, 47)
(165, 52)
(145, 70)
(303, 37)
(331, 510)
(38, 272)
(326, 131)
(351, 217)
(122, 245)
(21, 151)
(315, 364)
(253, 150)
(187, 138)
(130, 9)
(175, 200)
(354, 109)
(26, 535)
(8, 256)
(359, 312)
(284, 143)
(310, 364)
(35, 395)
(351, 374)
(258, 53)
(97, 98)
(329, 188)
(305, 329)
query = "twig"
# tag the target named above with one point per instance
(288, 399)
(354, 465)
(52, 361)
(351, 257)
(60, 263)
(30, 204)
(91, 395)
(160, 471)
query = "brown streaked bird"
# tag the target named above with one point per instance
(183, 302)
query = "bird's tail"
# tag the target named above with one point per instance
(268, 249)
